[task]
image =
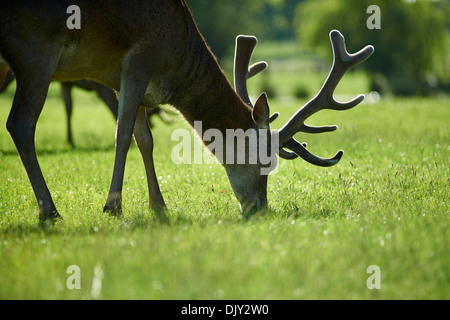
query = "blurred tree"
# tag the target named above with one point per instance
(279, 17)
(221, 21)
(409, 45)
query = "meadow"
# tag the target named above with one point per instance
(385, 204)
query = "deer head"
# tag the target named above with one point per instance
(287, 147)
(249, 181)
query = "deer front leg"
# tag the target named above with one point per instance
(28, 103)
(66, 91)
(144, 140)
(132, 89)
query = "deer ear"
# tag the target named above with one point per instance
(261, 112)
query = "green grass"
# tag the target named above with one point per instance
(385, 204)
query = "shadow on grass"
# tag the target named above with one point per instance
(137, 220)
(66, 150)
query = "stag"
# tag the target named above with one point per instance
(152, 53)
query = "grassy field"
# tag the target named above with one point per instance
(385, 204)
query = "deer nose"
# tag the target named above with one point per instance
(252, 207)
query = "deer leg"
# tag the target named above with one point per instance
(108, 96)
(132, 89)
(28, 102)
(3, 72)
(144, 140)
(66, 89)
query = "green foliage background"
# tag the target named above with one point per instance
(412, 47)
(221, 21)
(411, 40)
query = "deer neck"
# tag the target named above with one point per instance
(206, 95)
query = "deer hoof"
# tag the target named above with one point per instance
(113, 211)
(50, 218)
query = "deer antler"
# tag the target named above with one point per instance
(343, 61)
(244, 49)
(242, 72)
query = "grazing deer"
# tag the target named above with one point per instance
(152, 53)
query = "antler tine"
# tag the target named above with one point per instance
(301, 151)
(342, 62)
(244, 49)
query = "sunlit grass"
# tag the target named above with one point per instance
(385, 204)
